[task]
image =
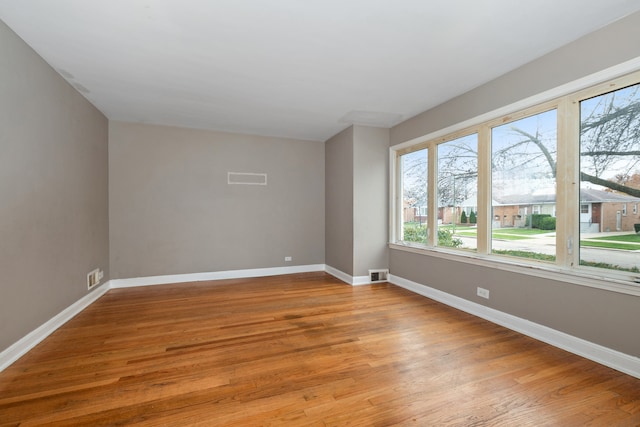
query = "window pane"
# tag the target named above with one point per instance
(524, 187)
(414, 196)
(457, 192)
(610, 179)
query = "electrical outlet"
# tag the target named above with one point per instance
(482, 292)
(288, 258)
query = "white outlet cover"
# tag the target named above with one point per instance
(484, 293)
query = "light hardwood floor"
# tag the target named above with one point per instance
(301, 350)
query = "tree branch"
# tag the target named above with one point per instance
(610, 184)
(541, 146)
(628, 110)
(610, 153)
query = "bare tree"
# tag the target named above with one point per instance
(609, 142)
(414, 171)
(457, 171)
(610, 139)
(609, 153)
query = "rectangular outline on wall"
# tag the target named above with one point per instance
(249, 178)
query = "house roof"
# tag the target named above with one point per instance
(527, 199)
(588, 195)
(592, 195)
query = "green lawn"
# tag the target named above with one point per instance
(610, 245)
(415, 232)
(522, 231)
(630, 238)
(507, 236)
(552, 258)
(458, 228)
(506, 233)
(629, 242)
(525, 254)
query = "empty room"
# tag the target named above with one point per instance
(320, 213)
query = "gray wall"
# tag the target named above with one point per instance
(53, 188)
(603, 317)
(356, 208)
(171, 210)
(607, 47)
(370, 199)
(339, 201)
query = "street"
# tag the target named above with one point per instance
(545, 244)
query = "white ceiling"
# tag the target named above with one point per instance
(292, 68)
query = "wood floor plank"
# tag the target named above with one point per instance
(301, 350)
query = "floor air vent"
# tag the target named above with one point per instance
(377, 276)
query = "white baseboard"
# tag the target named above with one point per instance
(603, 355)
(26, 343)
(614, 359)
(215, 275)
(351, 280)
(360, 280)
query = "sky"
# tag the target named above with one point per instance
(519, 166)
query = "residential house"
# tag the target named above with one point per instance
(599, 210)
(607, 211)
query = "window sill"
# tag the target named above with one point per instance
(592, 278)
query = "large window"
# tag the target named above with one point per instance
(523, 187)
(457, 192)
(413, 171)
(554, 186)
(610, 178)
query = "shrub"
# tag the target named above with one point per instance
(418, 233)
(445, 238)
(463, 218)
(415, 233)
(536, 218)
(547, 223)
(525, 254)
(472, 217)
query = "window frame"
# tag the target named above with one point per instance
(567, 265)
(435, 192)
(397, 214)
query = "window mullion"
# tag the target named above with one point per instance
(395, 188)
(432, 192)
(484, 190)
(567, 183)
